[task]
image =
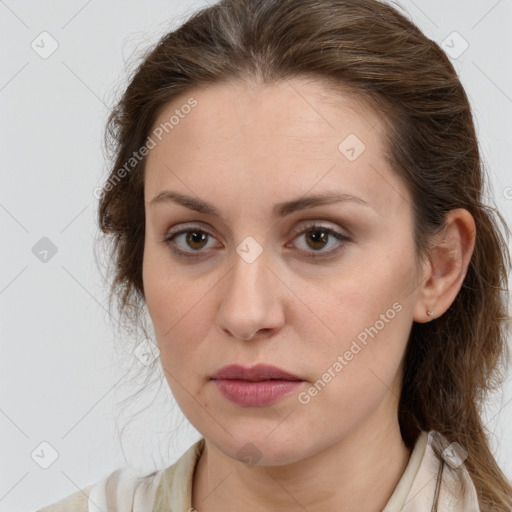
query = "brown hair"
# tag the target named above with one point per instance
(369, 48)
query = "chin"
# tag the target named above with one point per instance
(262, 446)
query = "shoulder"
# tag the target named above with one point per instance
(126, 490)
(76, 502)
(123, 490)
(174, 491)
(442, 478)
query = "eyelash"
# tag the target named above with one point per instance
(169, 241)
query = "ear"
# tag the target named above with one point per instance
(447, 264)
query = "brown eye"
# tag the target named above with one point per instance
(317, 237)
(192, 242)
(196, 239)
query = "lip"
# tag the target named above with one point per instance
(257, 386)
(259, 372)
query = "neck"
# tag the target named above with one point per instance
(358, 472)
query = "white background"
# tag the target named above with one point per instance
(60, 372)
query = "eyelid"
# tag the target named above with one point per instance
(302, 225)
(185, 229)
(319, 223)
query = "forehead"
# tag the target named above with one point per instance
(275, 140)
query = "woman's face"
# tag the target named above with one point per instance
(257, 284)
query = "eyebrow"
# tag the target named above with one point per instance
(280, 209)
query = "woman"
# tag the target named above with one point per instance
(297, 199)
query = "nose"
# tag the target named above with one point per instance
(251, 303)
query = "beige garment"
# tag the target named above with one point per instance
(76, 502)
(433, 460)
(121, 491)
(435, 475)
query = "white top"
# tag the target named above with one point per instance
(435, 471)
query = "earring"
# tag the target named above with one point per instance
(430, 313)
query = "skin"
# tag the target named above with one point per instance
(244, 148)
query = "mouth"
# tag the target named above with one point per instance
(257, 373)
(258, 386)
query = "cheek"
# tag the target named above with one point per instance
(358, 367)
(179, 308)
(364, 319)
(165, 290)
